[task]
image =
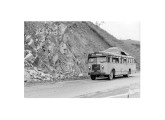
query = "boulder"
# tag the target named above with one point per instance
(55, 58)
(80, 75)
(27, 76)
(29, 56)
(63, 48)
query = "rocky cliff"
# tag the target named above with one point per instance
(60, 49)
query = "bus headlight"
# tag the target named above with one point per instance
(102, 67)
(89, 68)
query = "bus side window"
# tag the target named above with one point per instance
(122, 60)
(125, 60)
(110, 59)
(119, 59)
(114, 60)
(107, 58)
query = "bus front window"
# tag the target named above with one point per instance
(92, 60)
(97, 59)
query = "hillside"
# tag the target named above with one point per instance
(60, 49)
(130, 46)
(133, 48)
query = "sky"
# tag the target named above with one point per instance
(123, 30)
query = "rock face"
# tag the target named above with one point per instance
(61, 48)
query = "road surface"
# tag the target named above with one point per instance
(120, 87)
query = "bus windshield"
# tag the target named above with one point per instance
(92, 60)
(97, 59)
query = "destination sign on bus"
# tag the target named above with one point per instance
(98, 54)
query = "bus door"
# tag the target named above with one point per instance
(121, 65)
(124, 71)
(116, 64)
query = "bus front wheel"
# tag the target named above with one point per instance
(93, 77)
(111, 75)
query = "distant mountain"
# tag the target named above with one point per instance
(63, 47)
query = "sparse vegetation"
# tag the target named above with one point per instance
(61, 48)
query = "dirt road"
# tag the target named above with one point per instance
(119, 87)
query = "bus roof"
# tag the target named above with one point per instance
(114, 51)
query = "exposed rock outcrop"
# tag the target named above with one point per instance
(60, 49)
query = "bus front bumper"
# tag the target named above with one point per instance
(96, 73)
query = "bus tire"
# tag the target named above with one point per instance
(127, 75)
(111, 75)
(93, 77)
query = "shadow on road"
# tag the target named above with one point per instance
(116, 78)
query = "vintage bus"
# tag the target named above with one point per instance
(110, 64)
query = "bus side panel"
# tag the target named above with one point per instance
(117, 67)
(108, 68)
(124, 68)
(133, 68)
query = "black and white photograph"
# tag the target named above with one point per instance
(81, 59)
